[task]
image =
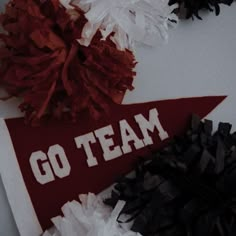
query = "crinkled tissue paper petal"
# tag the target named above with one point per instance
(127, 22)
(91, 217)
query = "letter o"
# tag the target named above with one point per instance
(53, 152)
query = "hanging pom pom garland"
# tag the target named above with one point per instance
(192, 7)
(188, 188)
(126, 21)
(89, 218)
(59, 55)
(42, 62)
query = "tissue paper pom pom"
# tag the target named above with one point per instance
(42, 62)
(126, 21)
(188, 188)
(192, 7)
(90, 218)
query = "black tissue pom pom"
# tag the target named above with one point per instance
(186, 189)
(192, 7)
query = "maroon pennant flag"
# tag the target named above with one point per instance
(44, 167)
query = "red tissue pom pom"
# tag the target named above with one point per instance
(42, 62)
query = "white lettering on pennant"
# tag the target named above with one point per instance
(149, 125)
(84, 141)
(46, 175)
(58, 151)
(49, 164)
(128, 135)
(55, 164)
(107, 143)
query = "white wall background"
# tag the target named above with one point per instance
(199, 60)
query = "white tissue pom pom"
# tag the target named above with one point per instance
(89, 218)
(66, 4)
(126, 21)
